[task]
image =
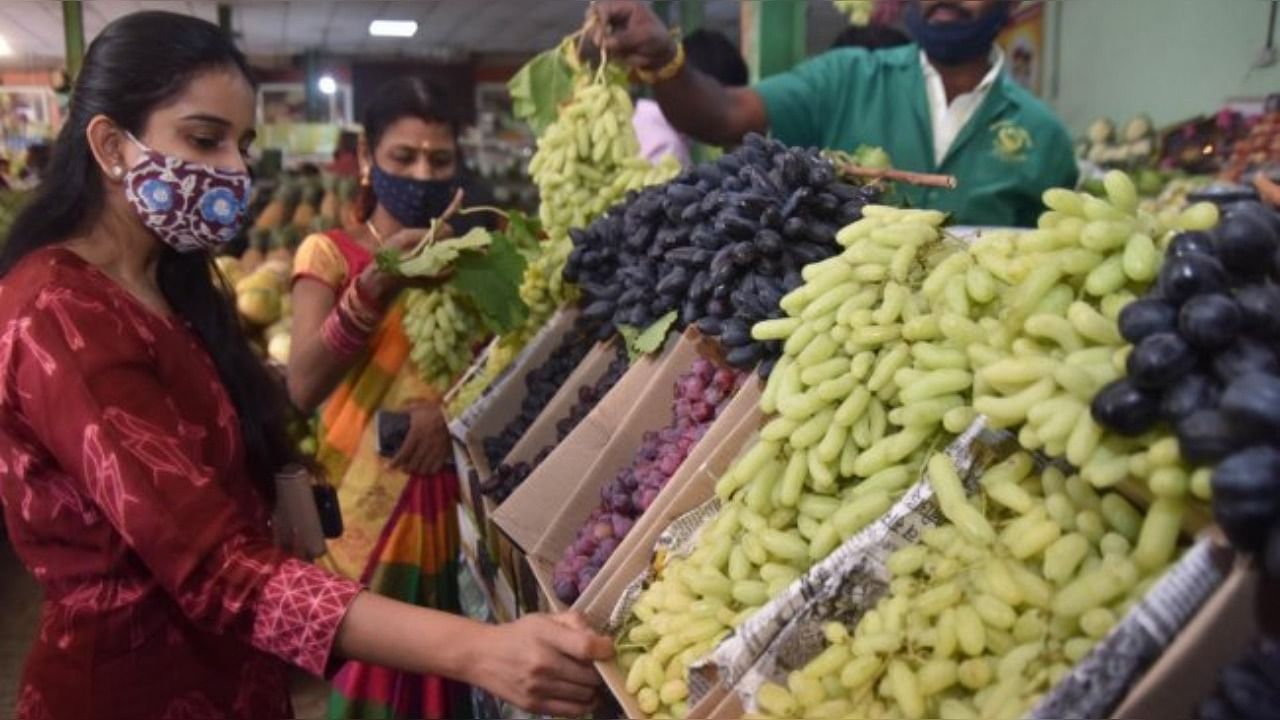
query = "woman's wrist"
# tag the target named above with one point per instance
(376, 287)
(469, 655)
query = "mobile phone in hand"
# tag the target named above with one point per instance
(392, 428)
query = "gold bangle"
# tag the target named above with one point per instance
(668, 71)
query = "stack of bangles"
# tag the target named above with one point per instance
(353, 319)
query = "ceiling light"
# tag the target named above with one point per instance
(5, 48)
(328, 85)
(393, 28)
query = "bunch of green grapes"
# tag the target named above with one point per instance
(993, 607)
(1064, 286)
(873, 374)
(589, 157)
(859, 11)
(441, 328)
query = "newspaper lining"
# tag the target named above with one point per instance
(843, 586)
(787, 633)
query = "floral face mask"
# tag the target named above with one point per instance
(191, 207)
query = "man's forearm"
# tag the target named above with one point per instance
(702, 108)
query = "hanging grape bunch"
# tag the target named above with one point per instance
(589, 157)
(586, 161)
(441, 328)
(1206, 360)
(721, 244)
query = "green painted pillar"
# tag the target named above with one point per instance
(73, 29)
(224, 20)
(693, 14)
(773, 36)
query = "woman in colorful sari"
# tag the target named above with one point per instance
(401, 537)
(139, 434)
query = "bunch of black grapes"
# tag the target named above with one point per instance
(721, 244)
(541, 384)
(507, 477)
(1248, 689)
(1206, 360)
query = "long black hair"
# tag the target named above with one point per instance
(135, 65)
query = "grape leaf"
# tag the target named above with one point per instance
(647, 341)
(491, 280)
(525, 232)
(539, 87)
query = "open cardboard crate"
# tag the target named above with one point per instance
(546, 512)
(1221, 633)
(652, 410)
(523, 517)
(541, 434)
(491, 413)
(1172, 687)
(697, 486)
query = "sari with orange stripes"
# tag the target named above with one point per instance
(401, 534)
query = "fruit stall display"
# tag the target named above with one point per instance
(1127, 350)
(889, 352)
(1107, 339)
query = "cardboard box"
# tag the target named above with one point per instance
(598, 603)
(525, 515)
(543, 430)
(650, 410)
(500, 403)
(541, 434)
(1187, 672)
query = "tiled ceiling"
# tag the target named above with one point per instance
(447, 28)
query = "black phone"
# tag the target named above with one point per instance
(392, 428)
(329, 511)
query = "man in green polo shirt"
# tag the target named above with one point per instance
(941, 105)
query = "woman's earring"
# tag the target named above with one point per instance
(117, 171)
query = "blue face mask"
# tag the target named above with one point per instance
(413, 203)
(952, 43)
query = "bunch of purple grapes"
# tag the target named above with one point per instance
(508, 477)
(700, 394)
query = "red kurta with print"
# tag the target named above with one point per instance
(124, 488)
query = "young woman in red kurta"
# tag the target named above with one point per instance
(139, 435)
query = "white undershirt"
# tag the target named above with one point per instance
(949, 120)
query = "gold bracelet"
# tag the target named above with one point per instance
(668, 71)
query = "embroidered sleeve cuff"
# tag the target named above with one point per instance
(299, 612)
